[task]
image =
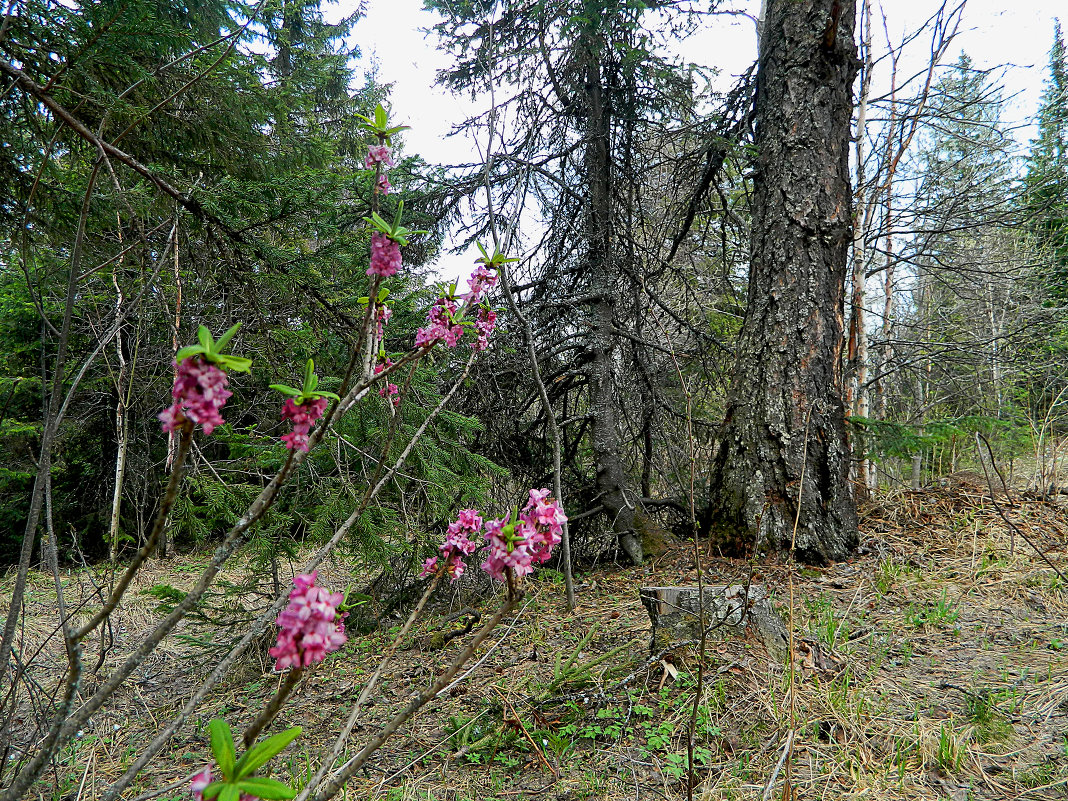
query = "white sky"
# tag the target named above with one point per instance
(393, 37)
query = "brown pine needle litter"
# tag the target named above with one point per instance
(941, 673)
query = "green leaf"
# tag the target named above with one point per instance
(204, 337)
(321, 394)
(213, 789)
(260, 753)
(230, 793)
(285, 390)
(309, 371)
(222, 746)
(313, 382)
(224, 340)
(238, 364)
(381, 120)
(187, 351)
(267, 789)
(378, 223)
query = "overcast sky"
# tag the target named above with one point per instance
(392, 37)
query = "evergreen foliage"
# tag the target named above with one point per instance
(251, 113)
(1047, 168)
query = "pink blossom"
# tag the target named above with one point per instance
(309, 626)
(378, 154)
(507, 549)
(546, 519)
(303, 416)
(390, 390)
(200, 781)
(382, 315)
(199, 393)
(382, 184)
(385, 256)
(482, 280)
(442, 325)
(457, 544)
(484, 325)
(442, 312)
(518, 546)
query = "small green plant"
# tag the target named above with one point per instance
(470, 734)
(887, 575)
(675, 764)
(829, 626)
(570, 671)
(941, 614)
(608, 724)
(981, 708)
(237, 774)
(948, 755)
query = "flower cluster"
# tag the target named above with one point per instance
(199, 393)
(309, 627)
(390, 390)
(303, 416)
(481, 281)
(484, 325)
(385, 255)
(458, 544)
(442, 325)
(378, 155)
(382, 184)
(443, 322)
(518, 545)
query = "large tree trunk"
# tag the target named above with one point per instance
(619, 503)
(783, 442)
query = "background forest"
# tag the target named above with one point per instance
(241, 198)
(170, 166)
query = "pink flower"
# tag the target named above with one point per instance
(547, 519)
(482, 280)
(518, 546)
(303, 417)
(390, 390)
(484, 325)
(200, 781)
(382, 184)
(378, 154)
(507, 549)
(385, 256)
(457, 545)
(442, 325)
(199, 393)
(382, 315)
(309, 626)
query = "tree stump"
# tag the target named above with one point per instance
(729, 610)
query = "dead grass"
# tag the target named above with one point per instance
(950, 637)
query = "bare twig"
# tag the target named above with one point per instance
(997, 507)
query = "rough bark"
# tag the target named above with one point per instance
(783, 451)
(613, 494)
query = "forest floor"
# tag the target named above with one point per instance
(944, 675)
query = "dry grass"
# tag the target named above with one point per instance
(953, 684)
